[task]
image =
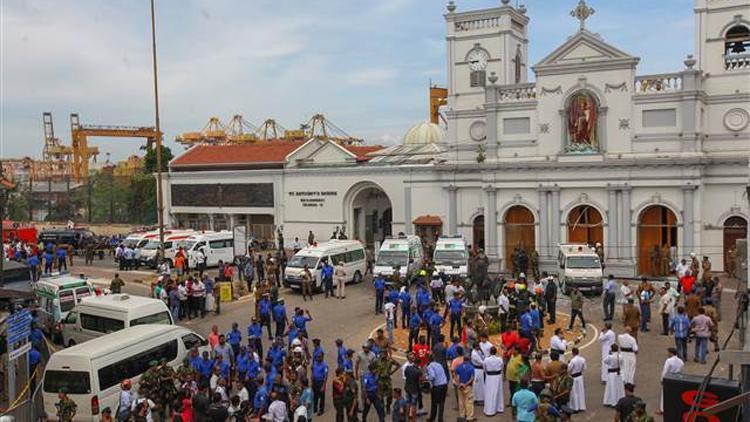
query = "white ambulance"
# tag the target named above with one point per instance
(451, 256)
(403, 252)
(580, 267)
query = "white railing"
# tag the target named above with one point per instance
(474, 24)
(737, 62)
(657, 84)
(520, 92)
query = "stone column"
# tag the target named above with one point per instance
(543, 224)
(555, 210)
(613, 240)
(452, 209)
(407, 210)
(626, 238)
(232, 221)
(688, 192)
(211, 222)
(490, 223)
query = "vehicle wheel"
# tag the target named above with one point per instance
(357, 278)
(71, 343)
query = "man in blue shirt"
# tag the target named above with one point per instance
(456, 309)
(438, 389)
(279, 316)
(405, 298)
(415, 321)
(348, 364)
(326, 274)
(317, 349)
(254, 334)
(423, 299)
(679, 324)
(48, 260)
(379, 284)
(465, 375)
(264, 311)
(393, 296)
(224, 366)
(242, 361)
(61, 254)
(33, 263)
(436, 323)
(452, 352)
(340, 353)
(234, 337)
(276, 353)
(260, 400)
(319, 381)
(527, 328)
(524, 403)
(206, 368)
(608, 298)
(300, 320)
(370, 384)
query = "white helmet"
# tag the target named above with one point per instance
(482, 309)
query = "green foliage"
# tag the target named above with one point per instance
(113, 199)
(149, 165)
(17, 203)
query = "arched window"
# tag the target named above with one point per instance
(737, 41)
(518, 65)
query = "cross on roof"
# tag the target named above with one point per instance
(582, 12)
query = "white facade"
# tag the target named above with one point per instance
(590, 152)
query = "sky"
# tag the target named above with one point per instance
(365, 64)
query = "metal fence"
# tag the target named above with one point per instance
(29, 404)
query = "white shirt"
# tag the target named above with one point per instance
(277, 412)
(557, 343)
(503, 303)
(673, 365)
(389, 310)
(485, 346)
(436, 283)
(149, 405)
(182, 292)
(666, 303)
(451, 289)
(627, 292)
(576, 365)
(627, 341)
(681, 269)
(244, 395)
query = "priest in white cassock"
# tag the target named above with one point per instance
(477, 361)
(576, 367)
(673, 365)
(493, 383)
(615, 388)
(485, 345)
(628, 349)
(557, 343)
(606, 339)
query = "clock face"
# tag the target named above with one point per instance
(477, 59)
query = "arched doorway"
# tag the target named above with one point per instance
(477, 233)
(372, 215)
(657, 240)
(519, 235)
(734, 228)
(585, 225)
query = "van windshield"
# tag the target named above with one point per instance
(186, 244)
(151, 245)
(67, 300)
(74, 382)
(392, 259)
(584, 262)
(299, 261)
(160, 318)
(446, 257)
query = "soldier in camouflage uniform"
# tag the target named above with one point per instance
(66, 408)
(185, 370)
(149, 383)
(385, 366)
(167, 393)
(639, 413)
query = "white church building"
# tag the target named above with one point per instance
(653, 167)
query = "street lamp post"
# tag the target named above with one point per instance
(159, 193)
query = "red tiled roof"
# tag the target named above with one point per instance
(428, 220)
(362, 151)
(273, 152)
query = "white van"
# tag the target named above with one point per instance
(173, 239)
(91, 372)
(218, 246)
(581, 268)
(404, 252)
(100, 315)
(451, 256)
(350, 251)
(57, 295)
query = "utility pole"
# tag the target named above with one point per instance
(88, 199)
(159, 192)
(30, 197)
(49, 197)
(2, 226)
(746, 347)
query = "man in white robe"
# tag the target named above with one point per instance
(493, 383)
(485, 345)
(606, 339)
(576, 367)
(673, 365)
(477, 361)
(628, 349)
(615, 388)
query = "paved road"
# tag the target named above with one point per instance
(353, 320)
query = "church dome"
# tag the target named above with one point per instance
(424, 133)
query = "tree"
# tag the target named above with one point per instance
(149, 164)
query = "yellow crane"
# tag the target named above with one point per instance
(82, 153)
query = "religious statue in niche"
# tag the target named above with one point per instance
(581, 117)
